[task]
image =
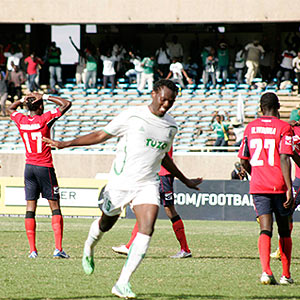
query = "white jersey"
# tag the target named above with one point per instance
(144, 140)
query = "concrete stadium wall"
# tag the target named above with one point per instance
(215, 166)
(145, 11)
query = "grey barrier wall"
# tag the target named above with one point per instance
(217, 200)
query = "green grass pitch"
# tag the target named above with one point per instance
(225, 263)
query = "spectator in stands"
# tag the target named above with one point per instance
(136, 72)
(210, 69)
(239, 64)
(3, 92)
(119, 52)
(91, 68)
(192, 68)
(239, 173)
(265, 65)
(15, 80)
(296, 66)
(238, 131)
(2, 59)
(175, 48)
(177, 72)
(254, 52)
(33, 64)
(80, 65)
(285, 71)
(221, 129)
(295, 114)
(53, 54)
(223, 62)
(109, 72)
(204, 54)
(149, 65)
(163, 58)
(13, 56)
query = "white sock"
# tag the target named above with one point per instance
(136, 253)
(95, 234)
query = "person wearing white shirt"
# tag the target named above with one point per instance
(286, 67)
(137, 70)
(296, 66)
(177, 72)
(14, 57)
(109, 72)
(145, 135)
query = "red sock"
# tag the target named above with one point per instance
(285, 246)
(30, 226)
(264, 247)
(134, 232)
(58, 227)
(178, 228)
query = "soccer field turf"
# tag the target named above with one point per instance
(225, 263)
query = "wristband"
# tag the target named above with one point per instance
(22, 100)
(45, 97)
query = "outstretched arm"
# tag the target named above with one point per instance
(168, 163)
(85, 140)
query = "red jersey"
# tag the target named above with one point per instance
(32, 65)
(296, 143)
(163, 171)
(32, 130)
(264, 140)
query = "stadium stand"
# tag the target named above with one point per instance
(192, 111)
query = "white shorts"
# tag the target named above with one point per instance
(115, 200)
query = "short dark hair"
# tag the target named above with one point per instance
(33, 106)
(269, 101)
(167, 83)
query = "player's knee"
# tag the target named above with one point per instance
(30, 214)
(284, 232)
(175, 219)
(56, 212)
(266, 232)
(106, 223)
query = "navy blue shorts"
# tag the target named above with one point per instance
(166, 190)
(40, 180)
(271, 203)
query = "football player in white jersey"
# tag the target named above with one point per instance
(146, 135)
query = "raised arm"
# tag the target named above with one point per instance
(93, 138)
(64, 105)
(169, 164)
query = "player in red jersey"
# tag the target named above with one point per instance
(167, 200)
(265, 154)
(296, 182)
(39, 175)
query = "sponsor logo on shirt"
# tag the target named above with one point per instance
(156, 144)
(30, 126)
(263, 130)
(288, 140)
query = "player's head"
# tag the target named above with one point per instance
(35, 107)
(269, 103)
(163, 96)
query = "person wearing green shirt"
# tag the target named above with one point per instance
(295, 114)
(221, 129)
(148, 64)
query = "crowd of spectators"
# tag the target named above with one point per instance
(212, 63)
